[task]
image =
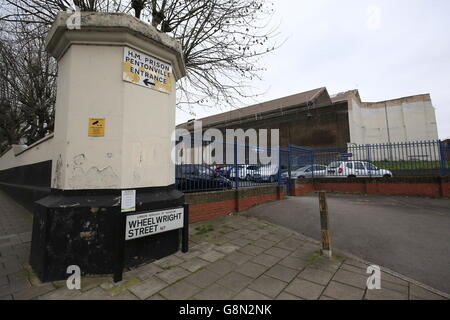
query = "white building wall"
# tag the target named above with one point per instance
(408, 119)
(22, 155)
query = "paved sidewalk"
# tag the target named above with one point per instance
(233, 257)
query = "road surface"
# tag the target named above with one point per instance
(409, 235)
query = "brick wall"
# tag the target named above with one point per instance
(414, 186)
(208, 205)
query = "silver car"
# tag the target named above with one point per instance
(355, 169)
(310, 171)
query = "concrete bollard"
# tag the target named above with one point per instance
(324, 225)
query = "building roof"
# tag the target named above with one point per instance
(348, 95)
(343, 96)
(316, 97)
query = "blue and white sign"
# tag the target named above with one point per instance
(346, 155)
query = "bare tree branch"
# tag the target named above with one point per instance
(222, 40)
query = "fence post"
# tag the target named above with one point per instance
(442, 157)
(289, 161)
(369, 160)
(236, 167)
(289, 181)
(324, 225)
(279, 167)
(185, 230)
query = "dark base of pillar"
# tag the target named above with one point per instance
(80, 228)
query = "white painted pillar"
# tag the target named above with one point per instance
(96, 83)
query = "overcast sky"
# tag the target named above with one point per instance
(386, 49)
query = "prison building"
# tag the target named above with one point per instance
(318, 120)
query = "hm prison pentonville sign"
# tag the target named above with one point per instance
(150, 223)
(147, 71)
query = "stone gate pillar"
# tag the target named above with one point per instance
(115, 113)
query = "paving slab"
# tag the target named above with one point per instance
(351, 278)
(418, 293)
(248, 294)
(181, 290)
(3, 281)
(6, 297)
(88, 283)
(255, 235)
(282, 273)
(251, 250)
(342, 291)
(203, 278)
(316, 275)
(235, 281)
(276, 237)
(241, 242)
(93, 294)
(251, 269)
(144, 272)
(395, 286)
(60, 294)
(222, 267)
(114, 289)
(287, 296)
(188, 255)
(147, 288)
(326, 298)
(215, 292)
(173, 275)
(304, 289)
(212, 256)
(386, 277)
(157, 297)
(294, 263)
(263, 243)
(385, 294)
(349, 267)
(169, 261)
(290, 244)
(226, 248)
(268, 286)
(33, 292)
(278, 252)
(194, 264)
(265, 260)
(238, 258)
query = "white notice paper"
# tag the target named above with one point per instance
(128, 202)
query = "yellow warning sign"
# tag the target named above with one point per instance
(96, 127)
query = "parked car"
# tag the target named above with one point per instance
(191, 177)
(310, 171)
(248, 173)
(224, 171)
(252, 173)
(268, 173)
(353, 169)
